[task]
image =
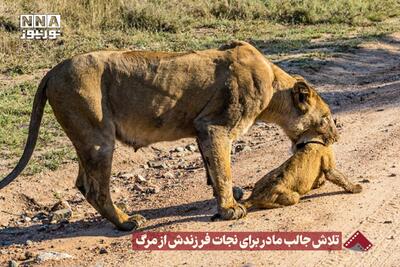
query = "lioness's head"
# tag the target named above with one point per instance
(300, 111)
(313, 119)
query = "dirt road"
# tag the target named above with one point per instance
(363, 89)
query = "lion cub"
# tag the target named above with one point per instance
(309, 167)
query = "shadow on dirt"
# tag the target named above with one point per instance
(347, 75)
(377, 96)
(326, 194)
(204, 207)
(199, 211)
(290, 46)
(195, 211)
(39, 232)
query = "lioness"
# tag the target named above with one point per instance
(309, 167)
(142, 97)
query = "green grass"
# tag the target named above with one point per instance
(52, 149)
(278, 27)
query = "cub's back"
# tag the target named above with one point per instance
(306, 166)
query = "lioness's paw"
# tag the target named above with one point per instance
(356, 188)
(134, 222)
(235, 212)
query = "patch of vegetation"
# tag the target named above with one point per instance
(52, 148)
(352, 12)
(148, 18)
(7, 25)
(239, 9)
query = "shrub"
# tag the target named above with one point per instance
(147, 17)
(7, 24)
(354, 12)
(239, 9)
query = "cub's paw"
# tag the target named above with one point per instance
(235, 212)
(134, 222)
(356, 188)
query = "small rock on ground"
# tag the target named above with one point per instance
(179, 149)
(157, 164)
(46, 256)
(140, 178)
(192, 148)
(168, 175)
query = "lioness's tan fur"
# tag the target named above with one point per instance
(144, 97)
(307, 169)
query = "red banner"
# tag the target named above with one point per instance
(237, 241)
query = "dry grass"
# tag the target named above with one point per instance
(168, 24)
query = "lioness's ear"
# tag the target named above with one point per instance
(301, 95)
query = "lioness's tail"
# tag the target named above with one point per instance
(34, 125)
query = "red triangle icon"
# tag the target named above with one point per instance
(358, 242)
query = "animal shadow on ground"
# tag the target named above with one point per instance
(325, 194)
(356, 76)
(200, 211)
(97, 226)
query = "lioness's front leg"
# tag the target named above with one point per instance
(216, 149)
(339, 179)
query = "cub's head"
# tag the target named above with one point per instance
(311, 118)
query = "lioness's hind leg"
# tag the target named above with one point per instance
(97, 165)
(95, 147)
(82, 111)
(81, 179)
(339, 179)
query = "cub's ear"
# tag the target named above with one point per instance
(301, 94)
